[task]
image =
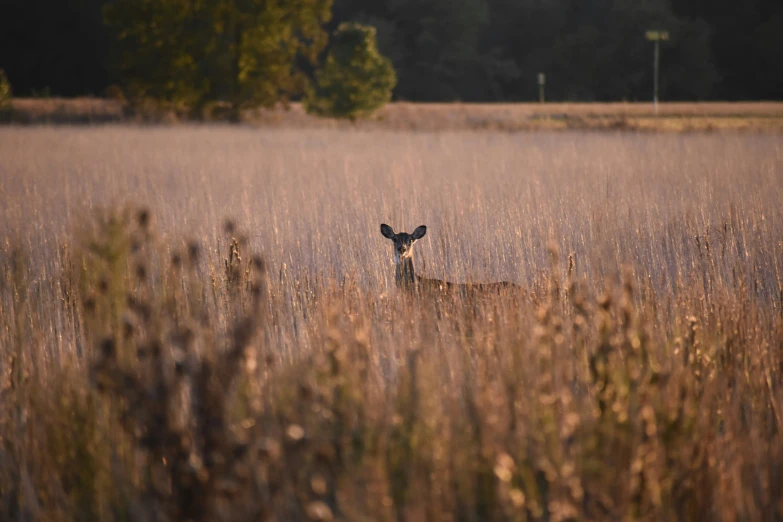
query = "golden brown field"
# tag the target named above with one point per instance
(159, 363)
(639, 116)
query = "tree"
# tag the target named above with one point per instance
(57, 46)
(5, 91)
(447, 53)
(356, 79)
(249, 52)
(442, 50)
(155, 53)
(189, 52)
(597, 51)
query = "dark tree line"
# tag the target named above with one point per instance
(60, 46)
(470, 50)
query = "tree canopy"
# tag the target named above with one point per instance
(355, 79)
(246, 52)
(254, 51)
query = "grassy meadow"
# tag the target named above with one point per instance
(404, 116)
(201, 323)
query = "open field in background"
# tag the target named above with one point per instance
(147, 372)
(672, 117)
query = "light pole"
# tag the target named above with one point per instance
(656, 36)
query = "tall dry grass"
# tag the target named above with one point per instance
(404, 116)
(162, 364)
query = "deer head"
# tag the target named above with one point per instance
(403, 243)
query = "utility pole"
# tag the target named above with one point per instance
(656, 37)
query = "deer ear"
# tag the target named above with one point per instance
(387, 231)
(419, 232)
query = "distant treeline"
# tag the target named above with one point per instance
(470, 50)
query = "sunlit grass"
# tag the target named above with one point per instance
(404, 116)
(158, 362)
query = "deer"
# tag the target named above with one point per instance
(405, 277)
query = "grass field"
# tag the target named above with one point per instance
(638, 116)
(161, 363)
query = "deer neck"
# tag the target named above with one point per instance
(404, 275)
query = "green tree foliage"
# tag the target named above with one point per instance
(438, 47)
(356, 79)
(442, 50)
(189, 52)
(493, 49)
(5, 93)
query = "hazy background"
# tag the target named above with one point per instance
(470, 50)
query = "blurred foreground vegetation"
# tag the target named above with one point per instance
(145, 382)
